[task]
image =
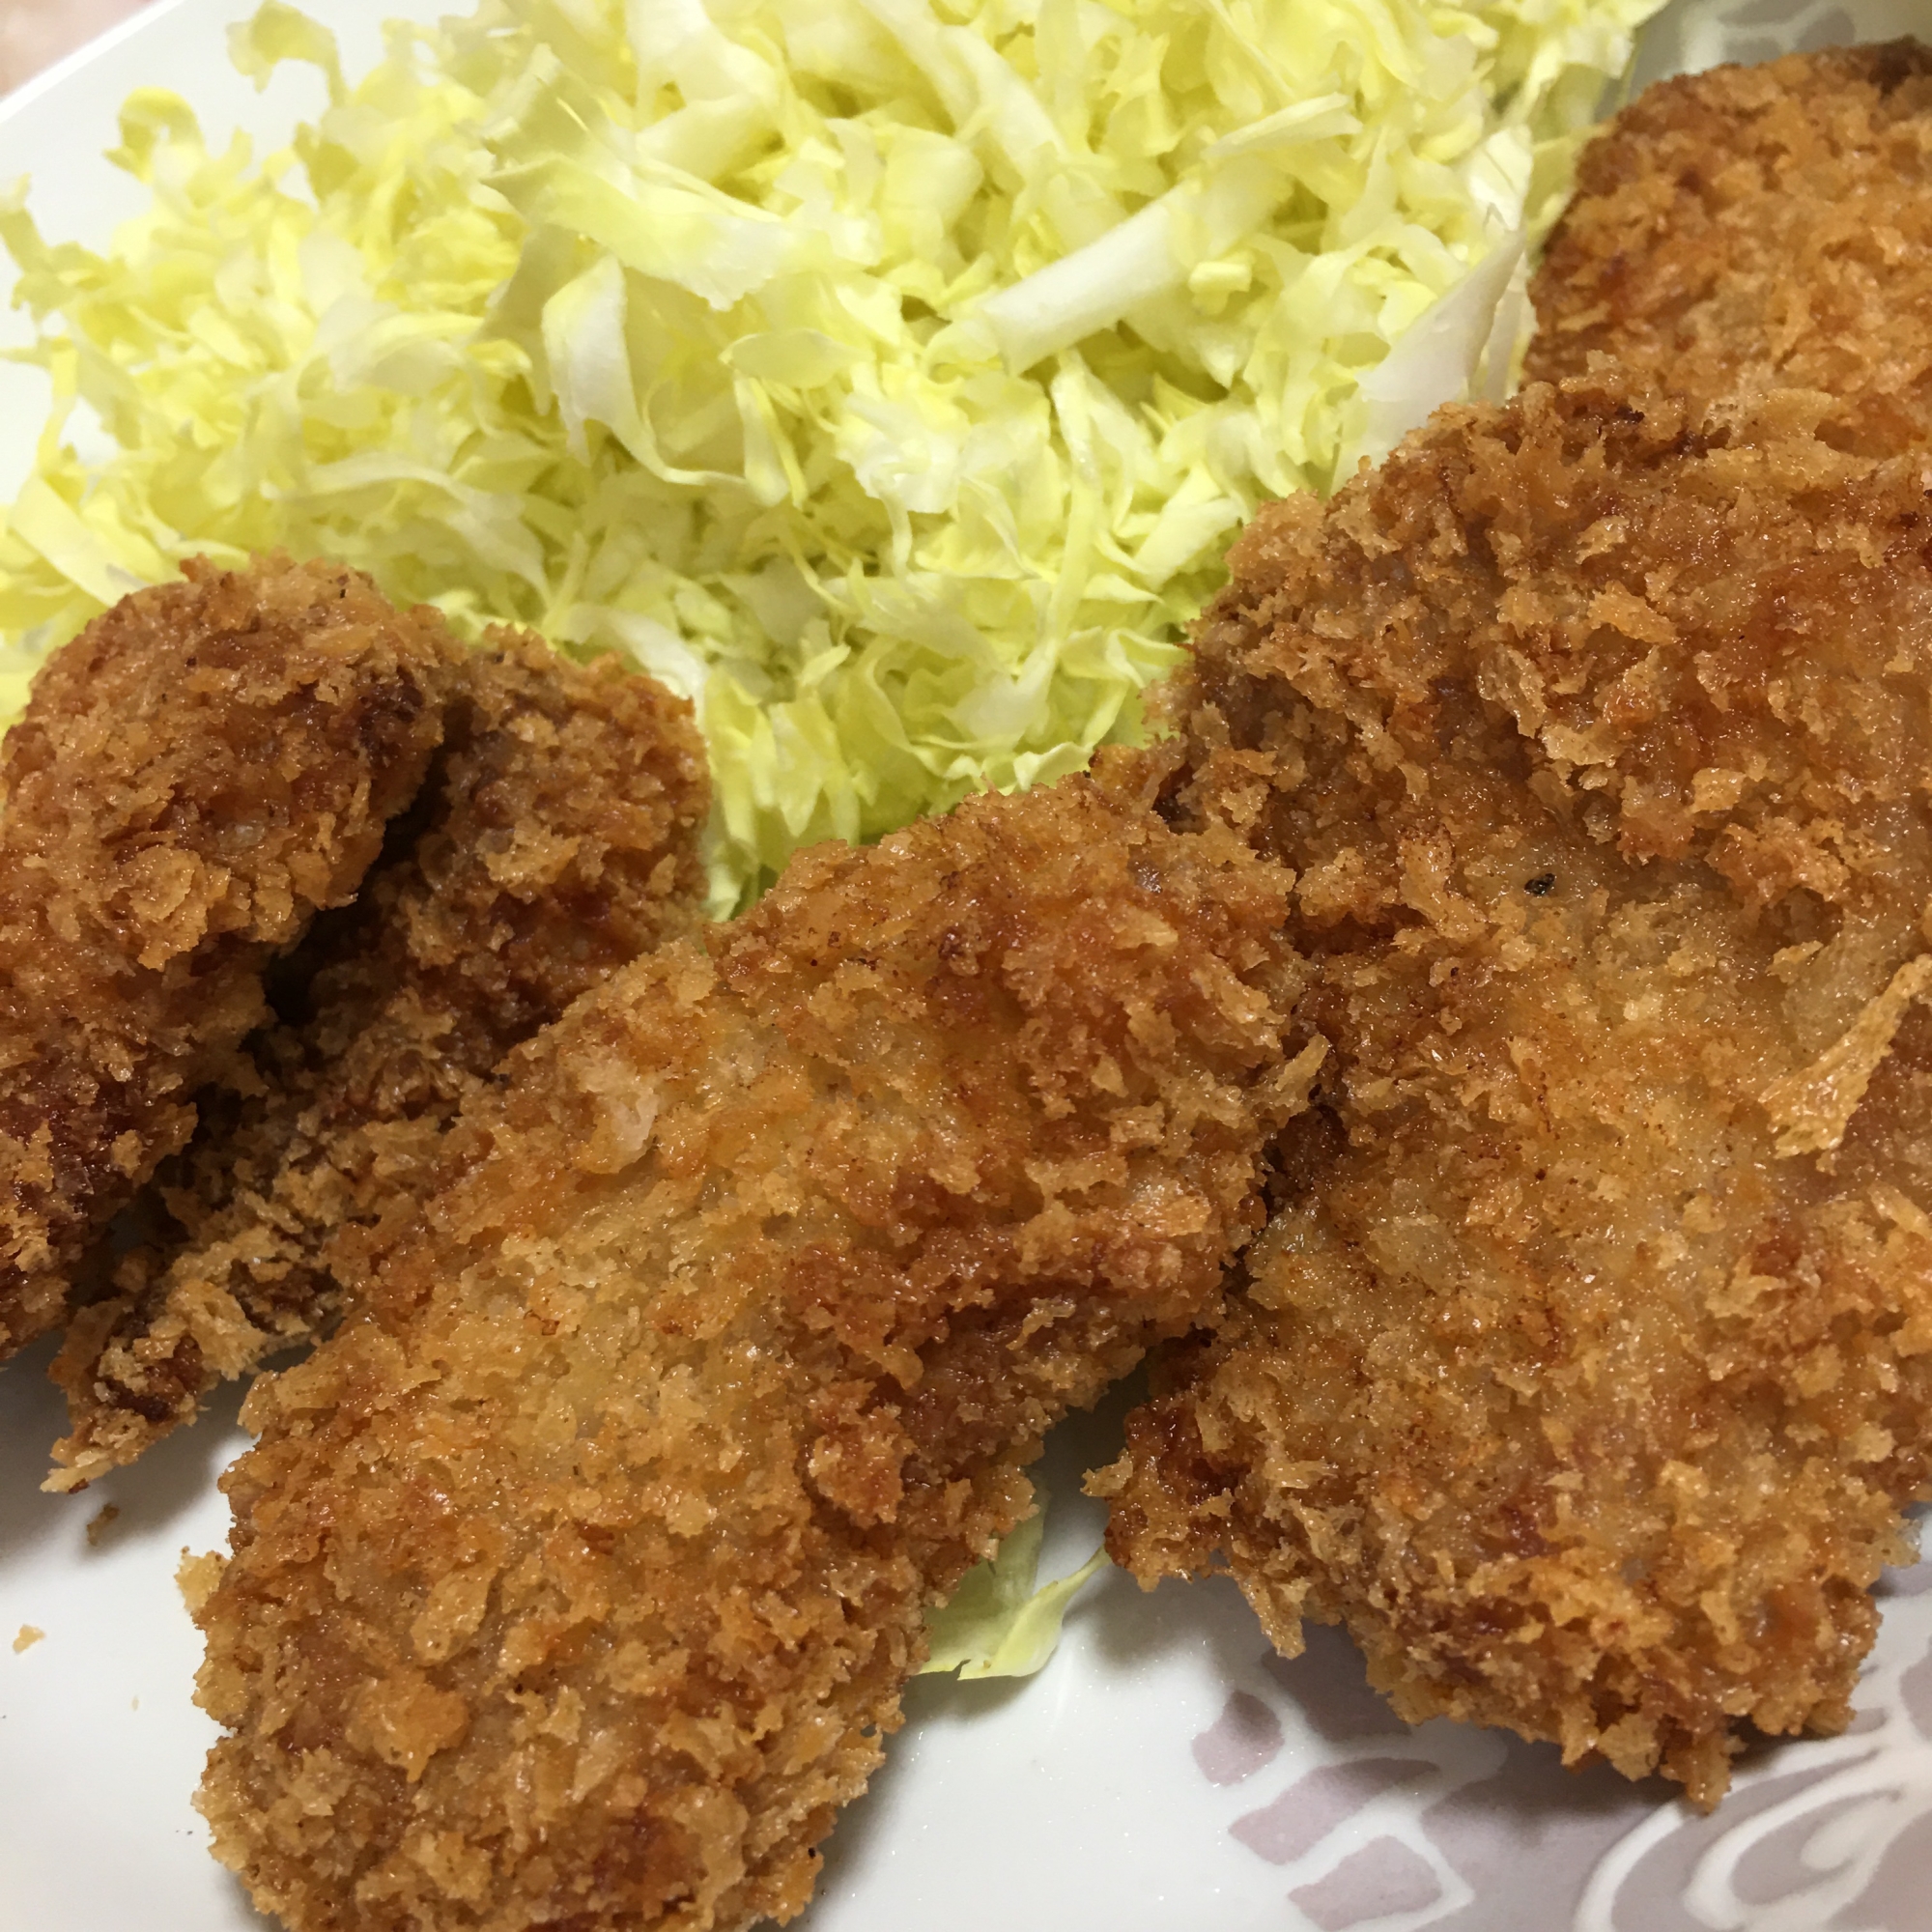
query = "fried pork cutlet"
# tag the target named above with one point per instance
(1759, 227)
(576, 1578)
(207, 766)
(1583, 1367)
(555, 840)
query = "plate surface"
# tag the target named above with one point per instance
(1164, 1772)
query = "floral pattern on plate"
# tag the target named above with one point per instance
(1477, 1831)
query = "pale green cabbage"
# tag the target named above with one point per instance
(889, 376)
(997, 1624)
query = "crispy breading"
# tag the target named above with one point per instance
(207, 766)
(554, 841)
(575, 1580)
(1759, 227)
(1584, 1365)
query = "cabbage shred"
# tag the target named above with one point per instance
(888, 376)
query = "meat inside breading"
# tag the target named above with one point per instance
(577, 1577)
(206, 767)
(1759, 227)
(1584, 1365)
(555, 840)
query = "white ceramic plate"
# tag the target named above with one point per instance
(1164, 1773)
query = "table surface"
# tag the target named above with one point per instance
(34, 34)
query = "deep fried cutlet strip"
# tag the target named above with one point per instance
(577, 1577)
(556, 842)
(1759, 227)
(1586, 1362)
(204, 768)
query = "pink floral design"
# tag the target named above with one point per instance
(1446, 1829)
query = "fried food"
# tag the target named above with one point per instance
(1759, 227)
(1583, 1367)
(199, 772)
(556, 842)
(576, 1578)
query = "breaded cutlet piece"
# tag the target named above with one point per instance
(1585, 1364)
(1757, 227)
(576, 1578)
(555, 840)
(207, 765)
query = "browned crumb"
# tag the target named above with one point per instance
(27, 1638)
(555, 840)
(1759, 227)
(195, 1577)
(577, 1577)
(1584, 1365)
(202, 769)
(101, 1523)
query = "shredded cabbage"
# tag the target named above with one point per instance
(997, 1624)
(888, 375)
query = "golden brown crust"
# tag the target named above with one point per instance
(1585, 1363)
(555, 840)
(207, 765)
(1757, 227)
(576, 1579)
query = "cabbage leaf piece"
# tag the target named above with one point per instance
(1001, 1622)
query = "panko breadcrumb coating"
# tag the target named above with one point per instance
(576, 1579)
(555, 840)
(1583, 1367)
(1756, 227)
(204, 768)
